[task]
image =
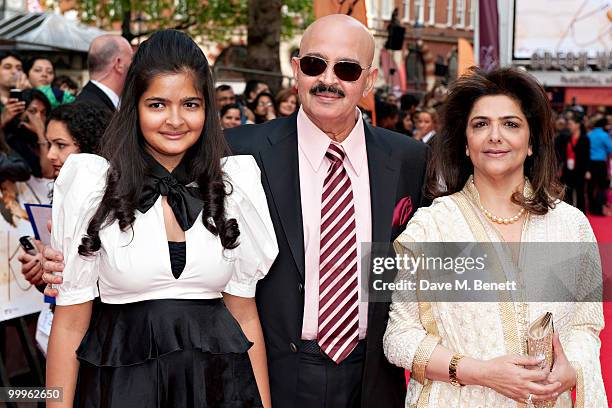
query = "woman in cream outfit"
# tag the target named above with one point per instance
(493, 177)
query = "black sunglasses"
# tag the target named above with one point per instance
(344, 70)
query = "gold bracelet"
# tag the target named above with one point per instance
(452, 369)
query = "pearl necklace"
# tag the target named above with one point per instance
(495, 218)
(502, 220)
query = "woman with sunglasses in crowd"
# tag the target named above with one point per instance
(263, 107)
(173, 237)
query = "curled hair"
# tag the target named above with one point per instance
(85, 121)
(165, 52)
(452, 165)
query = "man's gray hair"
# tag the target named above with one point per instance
(102, 55)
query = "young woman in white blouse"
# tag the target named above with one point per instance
(173, 238)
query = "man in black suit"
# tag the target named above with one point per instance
(108, 61)
(290, 152)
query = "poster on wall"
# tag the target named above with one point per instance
(17, 296)
(564, 26)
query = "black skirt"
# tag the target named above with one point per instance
(165, 353)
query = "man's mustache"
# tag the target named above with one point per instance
(322, 88)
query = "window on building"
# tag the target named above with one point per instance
(371, 10)
(432, 12)
(473, 15)
(460, 13)
(387, 9)
(449, 13)
(407, 14)
(419, 11)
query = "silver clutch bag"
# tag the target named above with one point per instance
(539, 343)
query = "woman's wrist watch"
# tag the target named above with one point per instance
(452, 369)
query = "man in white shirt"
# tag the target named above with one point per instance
(108, 61)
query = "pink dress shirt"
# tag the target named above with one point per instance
(313, 166)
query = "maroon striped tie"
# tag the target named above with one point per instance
(338, 302)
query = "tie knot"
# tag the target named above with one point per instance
(335, 153)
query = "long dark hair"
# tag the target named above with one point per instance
(452, 165)
(123, 145)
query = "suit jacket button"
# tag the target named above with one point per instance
(293, 347)
(300, 288)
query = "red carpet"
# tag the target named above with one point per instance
(602, 226)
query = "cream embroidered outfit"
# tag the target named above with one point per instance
(488, 330)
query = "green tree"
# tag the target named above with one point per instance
(263, 22)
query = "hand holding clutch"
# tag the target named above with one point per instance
(540, 345)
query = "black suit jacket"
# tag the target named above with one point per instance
(92, 93)
(397, 168)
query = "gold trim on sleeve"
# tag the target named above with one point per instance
(422, 356)
(508, 314)
(423, 401)
(579, 385)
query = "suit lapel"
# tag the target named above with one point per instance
(280, 162)
(384, 174)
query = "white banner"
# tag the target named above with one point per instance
(562, 26)
(17, 296)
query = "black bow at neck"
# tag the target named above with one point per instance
(186, 202)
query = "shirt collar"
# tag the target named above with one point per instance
(314, 142)
(109, 92)
(428, 136)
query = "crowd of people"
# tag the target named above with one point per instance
(255, 106)
(43, 121)
(198, 262)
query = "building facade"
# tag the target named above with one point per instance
(429, 49)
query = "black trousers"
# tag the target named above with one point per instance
(575, 183)
(598, 186)
(325, 384)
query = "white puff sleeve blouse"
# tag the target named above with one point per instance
(134, 265)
